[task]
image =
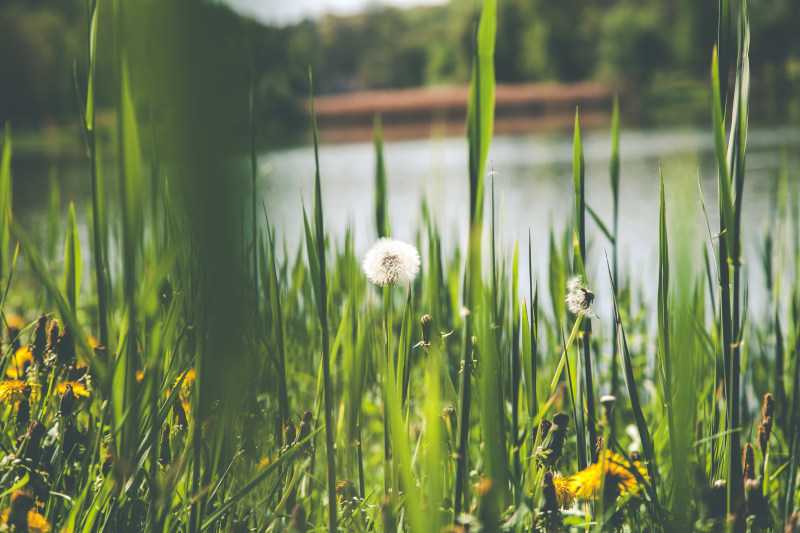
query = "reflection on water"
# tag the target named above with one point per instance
(533, 192)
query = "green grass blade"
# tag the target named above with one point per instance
(322, 306)
(381, 203)
(630, 382)
(73, 263)
(720, 150)
(5, 196)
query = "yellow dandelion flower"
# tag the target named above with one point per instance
(78, 389)
(139, 376)
(36, 522)
(617, 481)
(20, 361)
(565, 492)
(14, 390)
(186, 389)
(16, 321)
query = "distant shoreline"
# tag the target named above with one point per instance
(441, 111)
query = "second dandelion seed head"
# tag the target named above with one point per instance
(579, 298)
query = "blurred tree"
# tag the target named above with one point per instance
(633, 43)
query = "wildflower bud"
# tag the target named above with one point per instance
(165, 455)
(748, 462)
(21, 503)
(427, 324)
(553, 443)
(179, 415)
(768, 409)
(100, 352)
(298, 522)
(305, 430)
(39, 344)
(52, 336)
(598, 448)
(65, 350)
(33, 448)
(608, 402)
(450, 419)
(108, 462)
(765, 428)
(67, 401)
(345, 491)
(544, 428)
(289, 433)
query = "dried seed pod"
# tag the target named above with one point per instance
(39, 344)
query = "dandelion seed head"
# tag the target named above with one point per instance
(391, 262)
(579, 298)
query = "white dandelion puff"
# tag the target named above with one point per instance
(579, 298)
(391, 262)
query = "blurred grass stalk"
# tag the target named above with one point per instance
(480, 120)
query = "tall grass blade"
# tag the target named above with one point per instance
(5, 196)
(381, 203)
(321, 292)
(630, 382)
(73, 263)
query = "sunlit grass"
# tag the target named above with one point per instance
(222, 359)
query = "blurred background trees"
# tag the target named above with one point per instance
(635, 44)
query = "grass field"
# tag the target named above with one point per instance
(192, 374)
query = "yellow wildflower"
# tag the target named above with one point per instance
(78, 389)
(565, 492)
(611, 471)
(36, 522)
(20, 361)
(186, 389)
(14, 390)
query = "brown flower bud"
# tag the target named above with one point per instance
(427, 324)
(748, 462)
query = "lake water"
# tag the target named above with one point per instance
(533, 192)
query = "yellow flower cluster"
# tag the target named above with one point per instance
(613, 474)
(36, 522)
